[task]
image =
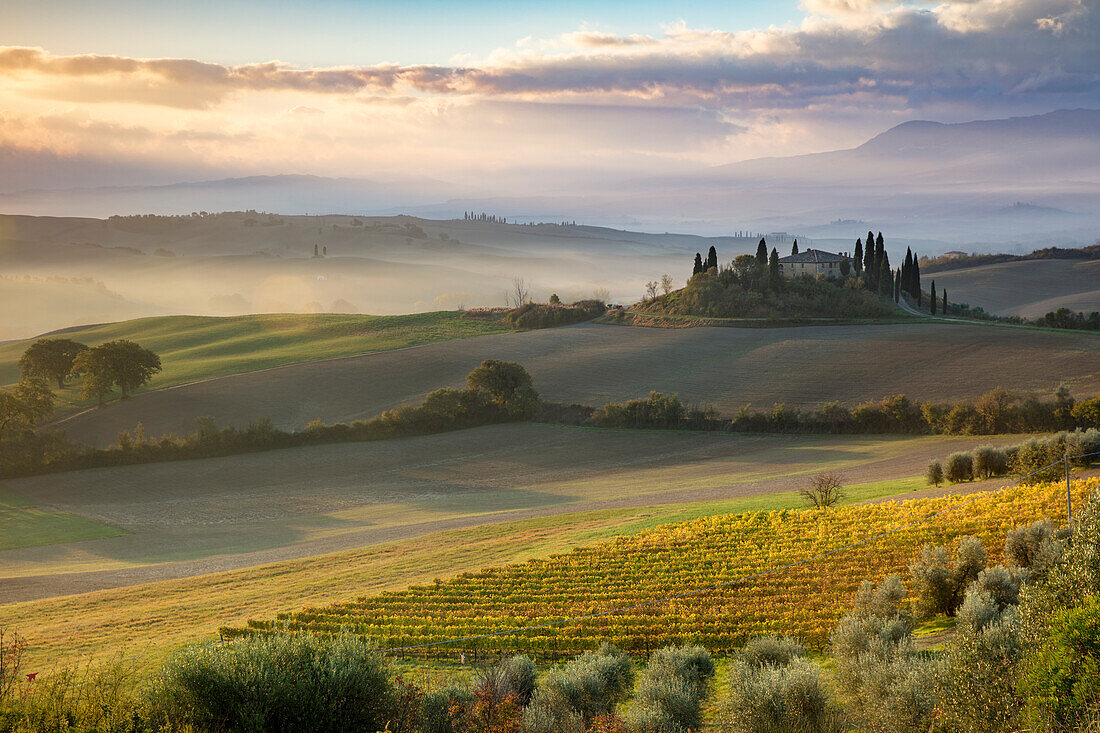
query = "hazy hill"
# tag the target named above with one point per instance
(57, 272)
(952, 182)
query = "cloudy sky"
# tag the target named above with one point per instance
(492, 90)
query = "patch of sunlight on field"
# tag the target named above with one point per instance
(158, 617)
(23, 524)
(747, 459)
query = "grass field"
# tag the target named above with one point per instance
(150, 620)
(202, 516)
(1030, 288)
(23, 523)
(724, 367)
(198, 347)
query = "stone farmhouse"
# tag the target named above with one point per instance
(812, 262)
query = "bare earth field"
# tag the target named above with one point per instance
(1030, 288)
(594, 364)
(203, 516)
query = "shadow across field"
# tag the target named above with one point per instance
(203, 516)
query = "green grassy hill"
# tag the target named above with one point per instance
(201, 347)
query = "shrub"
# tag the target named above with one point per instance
(1061, 683)
(514, 677)
(656, 411)
(284, 681)
(772, 650)
(934, 473)
(939, 583)
(670, 694)
(793, 698)
(583, 689)
(1023, 545)
(977, 685)
(989, 462)
(959, 468)
(435, 716)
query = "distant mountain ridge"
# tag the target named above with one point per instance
(951, 182)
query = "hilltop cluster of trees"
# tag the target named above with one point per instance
(491, 218)
(754, 286)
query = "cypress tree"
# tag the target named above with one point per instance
(698, 264)
(932, 297)
(916, 279)
(794, 247)
(944, 311)
(712, 259)
(906, 283)
(774, 278)
(869, 264)
(762, 254)
(886, 275)
(857, 256)
(897, 285)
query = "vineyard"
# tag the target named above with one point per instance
(805, 600)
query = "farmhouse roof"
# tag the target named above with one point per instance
(813, 255)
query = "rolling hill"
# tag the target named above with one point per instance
(593, 364)
(1030, 288)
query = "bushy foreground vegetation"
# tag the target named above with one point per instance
(495, 392)
(1024, 653)
(805, 600)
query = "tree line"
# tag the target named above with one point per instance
(495, 392)
(997, 412)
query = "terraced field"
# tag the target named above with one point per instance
(723, 367)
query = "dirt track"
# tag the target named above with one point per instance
(725, 367)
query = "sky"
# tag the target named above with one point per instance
(507, 92)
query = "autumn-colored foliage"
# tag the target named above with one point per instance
(754, 549)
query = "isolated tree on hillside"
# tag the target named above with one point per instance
(554, 299)
(666, 283)
(506, 384)
(932, 297)
(651, 289)
(698, 264)
(857, 256)
(50, 359)
(944, 311)
(119, 363)
(712, 259)
(794, 247)
(762, 254)
(28, 403)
